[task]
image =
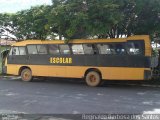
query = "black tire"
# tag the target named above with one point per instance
(93, 79)
(26, 75)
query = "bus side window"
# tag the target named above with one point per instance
(10, 52)
(107, 49)
(14, 51)
(88, 49)
(120, 49)
(42, 49)
(77, 49)
(22, 51)
(32, 49)
(64, 49)
(53, 49)
(134, 48)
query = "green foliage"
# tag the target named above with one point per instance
(86, 19)
(82, 18)
(68, 19)
(32, 23)
(106, 18)
(148, 20)
(5, 23)
(155, 52)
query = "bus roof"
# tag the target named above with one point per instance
(26, 42)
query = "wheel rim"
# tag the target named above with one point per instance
(26, 75)
(92, 79)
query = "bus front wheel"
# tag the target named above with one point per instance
(26, 75)
(93, 79)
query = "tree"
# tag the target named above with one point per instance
(83, 18)
(148, 17)
(5, 25)
(32, 23)
(73, 19)
(139, 17)
(68, 19)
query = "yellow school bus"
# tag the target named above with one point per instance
(94, 60)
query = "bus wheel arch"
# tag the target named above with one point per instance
(93, 77)
(26, 74)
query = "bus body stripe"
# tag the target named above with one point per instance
(83, 60)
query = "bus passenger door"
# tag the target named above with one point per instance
(4, 55)
(16, 58)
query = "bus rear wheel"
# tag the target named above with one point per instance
(93, 79)
(26, 75)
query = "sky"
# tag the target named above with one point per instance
(12, 6)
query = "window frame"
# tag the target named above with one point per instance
(11, 50)
(28, 50)
(37, 49)
(142, 47)
(18, 50)
(25, 50)
(77, 44)
(46, 49)
(114, 46)
(94, 48)
(58, 49)
(69, 46)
